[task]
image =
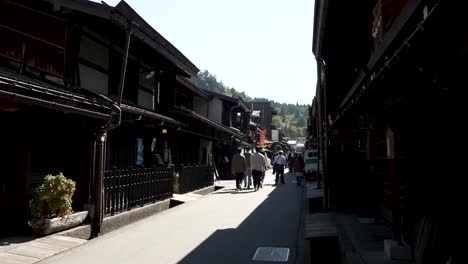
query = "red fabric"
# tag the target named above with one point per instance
(298, 165)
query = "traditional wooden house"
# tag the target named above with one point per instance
(389, 109)
(95, 98)
(233, 116)
(50, 123)
(263, 115)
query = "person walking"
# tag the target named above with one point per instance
(289, 161)
(280, 164)
(258, 166)
(274, 162)
(238, 168)
(248, 172)
(298, 168)
(267, 161)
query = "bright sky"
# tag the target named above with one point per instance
(262, 47)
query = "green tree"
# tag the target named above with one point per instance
(292, 116)
(277, 121)
(292, 132)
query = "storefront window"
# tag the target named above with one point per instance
(39, 44)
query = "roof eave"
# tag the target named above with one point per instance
(151, 37)
(193, 87)
(320, 16)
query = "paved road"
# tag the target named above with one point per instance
(222, 227)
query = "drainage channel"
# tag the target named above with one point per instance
(276, 254)
(179, 199)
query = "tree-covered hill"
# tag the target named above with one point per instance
(291, 118)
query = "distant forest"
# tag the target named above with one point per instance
(291, 118)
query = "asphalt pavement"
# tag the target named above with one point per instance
(226, 226)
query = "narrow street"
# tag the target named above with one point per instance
(222, 227)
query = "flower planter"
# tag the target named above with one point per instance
(49, 226)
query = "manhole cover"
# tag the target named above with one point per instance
(271, 254)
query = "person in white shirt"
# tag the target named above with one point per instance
(280, 163)
(267, 161)
(258, 166)
(238, 168)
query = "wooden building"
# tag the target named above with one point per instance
(95, 92)
(265, 116)
(49, 123)
(390, 77)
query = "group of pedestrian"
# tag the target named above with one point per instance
(249, 166)
(295, 164)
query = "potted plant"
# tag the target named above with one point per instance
(50, 206)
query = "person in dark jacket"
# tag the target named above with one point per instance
(298, 168)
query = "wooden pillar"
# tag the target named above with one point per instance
(371, 154)
(395, 184)
(99, 160)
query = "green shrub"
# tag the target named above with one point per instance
(52, 198)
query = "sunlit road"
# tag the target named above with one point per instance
(222, 227)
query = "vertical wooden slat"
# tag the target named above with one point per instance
(168, 183)
(116, 192)
(153, 185)
(106, 192)
(126, 192)
(140, 187)
(149, 192)
(146, 186)
(112, 192)
(166, 187)
(136, 185)
(122, 192)
(161, 185)
(131, 190)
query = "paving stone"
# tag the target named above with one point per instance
(60, 242)
(71, 239)
(9, 258)
(33, 252)
(56, 248)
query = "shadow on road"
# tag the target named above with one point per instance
(13, 240)
(275, 222)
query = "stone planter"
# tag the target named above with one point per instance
(49, 226)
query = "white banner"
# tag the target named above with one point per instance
(275, 135)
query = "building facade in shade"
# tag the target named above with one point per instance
(388, 117)
(92, 90)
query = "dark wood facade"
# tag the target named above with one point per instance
(62, 71)
(389, 116)
(266, 116)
